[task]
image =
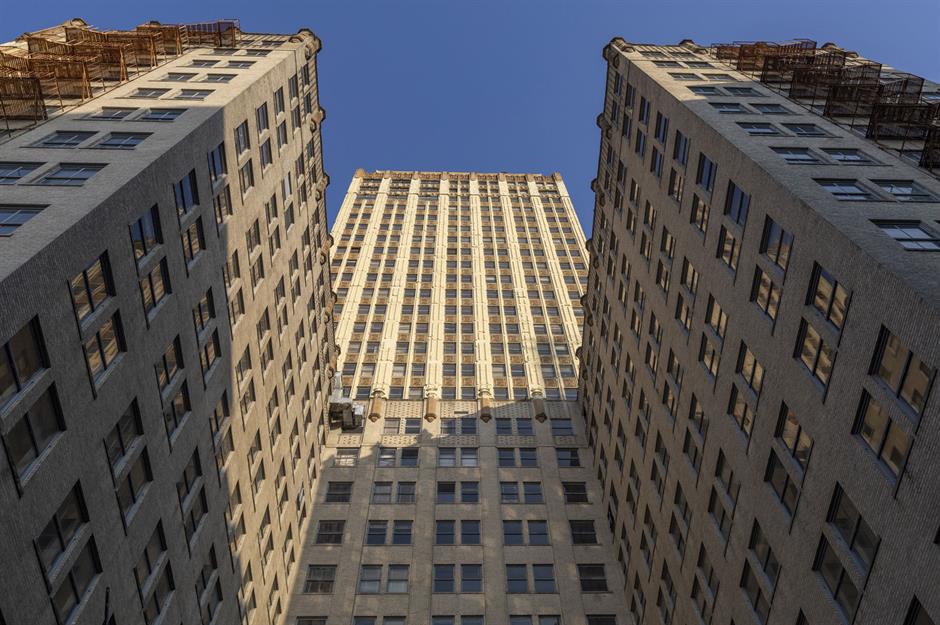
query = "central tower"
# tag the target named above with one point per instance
(466, 494)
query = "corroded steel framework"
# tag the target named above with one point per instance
(49, 69)
(889, 107)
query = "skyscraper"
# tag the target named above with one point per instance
(467, 494)
(164, 321)
(761, 333)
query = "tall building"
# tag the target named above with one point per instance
(468, 495)
(761, 334)
(164, 322)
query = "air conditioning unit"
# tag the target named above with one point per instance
(343, 412)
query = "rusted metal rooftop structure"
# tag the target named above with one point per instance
(47, 70)
(892, 108)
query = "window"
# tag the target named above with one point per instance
(67, 597)
(729, 249)
(699, 214)
(744, 91)
(401, 532)
(911, 235)
(446, 492)
(193, 241)
(859, 537)
(471, 578)
(376, 532)
(786, 489)
(146, 233)
(149, 92)
(568, 457)
(575, 492)
(888, 440)
(917, 615)
(331, 532)
(155, 286)
(796, 155)
(846, 190)
(445, 533)
(242, 138)
(771, 109)
(469, 492)
(728, 107)
(469, 532)
(754, 593)
(736, 204)
(543, 578)
(103, 347)
(512, 533)
(582, 532)
(759, 129)
(112, 113)
(219, 77)
(849, 156)
(517, 578)
(765, 293)
(806, 130)
(750, 369)
(58, 533)
(122, 140)
(593, 578)
(346, 457)
(706, 173)
(795, 440)
(161, 115)
(246, 177)
(320, 579)
(382, 492)
(69, 174)
(903, 371)
(193, 94)
(814, 353)
(266, 156)
(836, 579)
(370, 579)
(397, 582)
(91, 288)
(680, 150)
(11, 173)
(29, 437)
(406, 492)
(703, 90)
(776, 243)
(217, 164)
(338, 492)
(261, 116)
(21, 359)
(443, 578)
(64, 139)
(186, 193)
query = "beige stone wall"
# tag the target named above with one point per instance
(421, 194)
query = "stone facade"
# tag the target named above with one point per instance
(458, 314)
(177, 497)
(760, 347)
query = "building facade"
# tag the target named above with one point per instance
(467, 496)
(164, 322)
(761, 334)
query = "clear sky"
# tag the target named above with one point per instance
(510, 85)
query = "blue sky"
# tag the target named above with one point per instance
(511, 85)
